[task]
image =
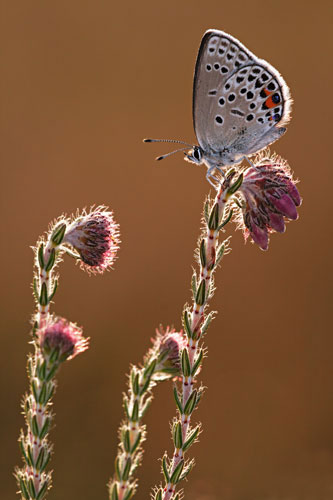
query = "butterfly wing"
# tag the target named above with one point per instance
(238, 99)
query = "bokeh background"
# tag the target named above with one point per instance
(82, 83)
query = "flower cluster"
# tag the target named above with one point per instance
(269, 196)
(95, 236)
(62, 337)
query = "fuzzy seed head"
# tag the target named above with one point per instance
(95, 237)
(268, 197)
(62, 335)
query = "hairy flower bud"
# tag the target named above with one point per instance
(269, 197)
(167, 347)
(95, 236)
(61, 339)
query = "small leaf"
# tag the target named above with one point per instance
(41, 256)
(55, 286)
(203, 258)
(129, 494)
(209, 318)
(190, 440)
(197, 363)
(31, 488)
(136, 443)
(34, 426)
(206, 211)
(127, 469)
(43, 299)
(186, 366)
(24, 490)
(213, 222)
(194, 284)
(165, 470)
(51, 261)
(42, 491)
(135, 384)
(126, 441)
(177, 472)
(150, 369)
(45, 428)
(190, 403)
(186, 324)
(178, 403)
(228, 218)
(58, 234)
(146, 406)
(135, 412)
(117, 469)
(236, 185)
(114, 492)
(158, 495)
(177, 435)
(201, 293)
(40, 458)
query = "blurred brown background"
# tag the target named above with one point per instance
(82, 83)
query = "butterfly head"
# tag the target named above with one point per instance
(195, 155)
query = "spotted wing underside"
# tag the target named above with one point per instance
(238, 99)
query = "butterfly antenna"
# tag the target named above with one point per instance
(175, 141)
(169, 154)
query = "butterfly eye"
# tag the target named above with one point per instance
(197, 154)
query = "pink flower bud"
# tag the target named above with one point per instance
(269, 196)
(63, 338)
(167, 347)
(95, 236)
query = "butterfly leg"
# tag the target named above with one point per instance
(209, 176)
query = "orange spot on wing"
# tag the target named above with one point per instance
(269, 103)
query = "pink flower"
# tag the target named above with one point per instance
(269, 196)
(62, 336)
(167, 346)
(95, 236)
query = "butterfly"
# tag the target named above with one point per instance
(240, 104)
